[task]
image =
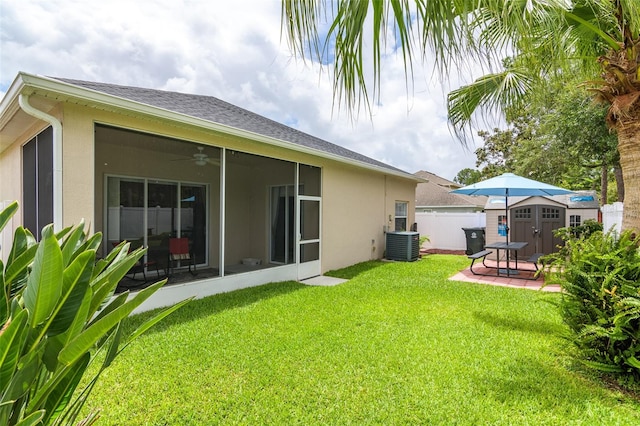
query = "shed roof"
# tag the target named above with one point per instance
(576, 200)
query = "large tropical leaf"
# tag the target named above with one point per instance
(104, 285)
(72, 243)
(87, 339)
(12, 340)
(75, 286)
(18, 266)
(7, 214)
(24, 378)
(45, 281)
(153, 321)
(59, 397)
(32, 419)
(56, 343)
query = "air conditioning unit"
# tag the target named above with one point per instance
(403, 246)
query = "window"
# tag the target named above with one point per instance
(550, 213)
(37, 178)
(575, 220)
(401, 215)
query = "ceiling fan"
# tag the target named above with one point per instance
(202, 159)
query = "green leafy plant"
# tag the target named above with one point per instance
(600, 279)
(58, 313)
(585, 230)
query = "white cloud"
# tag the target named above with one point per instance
(232, 50)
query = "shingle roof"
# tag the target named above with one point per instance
(221, 112)
(436, 193)
(433, 178)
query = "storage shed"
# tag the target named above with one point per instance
(533, 219)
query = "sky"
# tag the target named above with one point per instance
(232, 50)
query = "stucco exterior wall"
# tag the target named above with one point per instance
(358, 205)
(11, 175)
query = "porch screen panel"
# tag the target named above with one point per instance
(37, 179)
(162, 214)
(125, 211)
(162, 217)
(29, 187)
(282, 224)
(309, 230)
(193, 218)
(310, 180)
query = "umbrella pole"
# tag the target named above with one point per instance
(506, 224)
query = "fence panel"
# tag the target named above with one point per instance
(612, 216)
(445, 229)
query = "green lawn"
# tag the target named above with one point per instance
(397, 344)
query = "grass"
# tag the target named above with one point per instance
(397, 344)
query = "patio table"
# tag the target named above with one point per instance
(508, 247)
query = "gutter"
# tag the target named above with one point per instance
(57, 156)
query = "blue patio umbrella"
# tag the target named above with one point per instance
(509, 184)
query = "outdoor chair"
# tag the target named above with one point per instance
(179, 251)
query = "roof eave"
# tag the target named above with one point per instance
(25, 80)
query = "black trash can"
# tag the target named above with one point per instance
(475, 240)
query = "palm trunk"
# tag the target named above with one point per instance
(629, 148)
(617, 172)
(604, 184)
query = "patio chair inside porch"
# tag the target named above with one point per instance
(179, 252)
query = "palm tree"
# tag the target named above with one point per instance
(529, 40)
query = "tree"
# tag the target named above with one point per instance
(468, 176)
(595, 40)
(558, 137)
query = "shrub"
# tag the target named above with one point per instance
(600, 277)
(57, 313)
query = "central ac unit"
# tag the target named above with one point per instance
(403, 246)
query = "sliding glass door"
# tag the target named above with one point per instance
(149, 212)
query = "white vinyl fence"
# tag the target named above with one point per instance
(445, 229)
(612, 216)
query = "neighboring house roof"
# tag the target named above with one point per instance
(436, 192)
(205, 109)
(433, 178)
(576, 200)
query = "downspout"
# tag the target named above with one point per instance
(57, 156)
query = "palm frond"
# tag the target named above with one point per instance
(490, 93)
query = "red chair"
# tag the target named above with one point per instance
(179, 251)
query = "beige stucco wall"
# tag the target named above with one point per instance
(357, 204)
(11, 174)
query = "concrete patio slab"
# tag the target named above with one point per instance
(522, 280)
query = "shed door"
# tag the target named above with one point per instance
(535, 225)
(550, 218)
(522, 228)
